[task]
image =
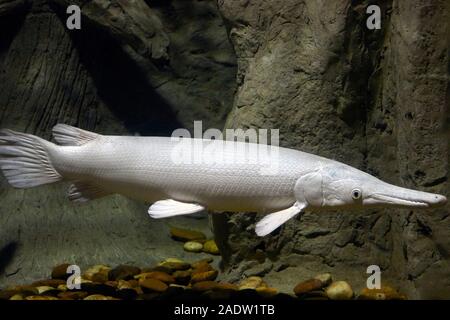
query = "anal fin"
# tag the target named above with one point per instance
(273, 220)
(85, 191)
(170, 208)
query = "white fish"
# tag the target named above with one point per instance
(147, 168)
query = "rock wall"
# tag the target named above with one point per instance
(375, 99)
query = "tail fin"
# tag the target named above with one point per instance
(24, 160)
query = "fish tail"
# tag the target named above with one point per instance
(25, 161)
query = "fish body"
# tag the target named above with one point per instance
(184, 176)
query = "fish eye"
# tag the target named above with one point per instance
(356, 194)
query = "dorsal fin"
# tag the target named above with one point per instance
(71, 136)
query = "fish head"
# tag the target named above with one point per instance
(342, 186)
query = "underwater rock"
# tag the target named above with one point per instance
(384, 293)
(314, 295)
(123, 272)
(7, 294)
(193, 246)
(41, 298)
(159, 275)
(267, 291)
(97, 273)
(325, 278)
(260, 269)
(152, 285)
(204, 285)
(173, 264)
(43, 289)
(186, 235)
(60, 271)
(226, 286)
(182, 277)
(202, 266)
(73, 295)
(98, 297)
(17, 297)
(252, 283)
(307, 286)
(204, 276)
(201, 262)
(339, 290)
(210, 246)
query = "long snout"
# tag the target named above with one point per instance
(391, 195)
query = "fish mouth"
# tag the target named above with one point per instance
(422, 200)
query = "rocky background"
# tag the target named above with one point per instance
(375, 99)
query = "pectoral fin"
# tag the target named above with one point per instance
(169, 208)
(272, 221)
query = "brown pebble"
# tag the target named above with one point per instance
(162, 276)
(204, 276)
(384, 293)
(123, 272)
(60, 271)
(185, 235)
(204, 285)
(40, 298)
(152, 285)
(72, 295)
(182, 277)
(202, 267)
(201, 262)
(307, 286)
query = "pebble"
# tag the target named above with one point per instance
(43, 289)
(182, 277)
(307, 286)
(196, 263)
(339, 290)
(193, 246)
(185, 235)
(97, 273)
(204, 276)
(251, 283)
(384, 293)
(97, 297)
(174, 264)
(40, 298)
(325, 278)
(123, 272)
(266, 291)
(159, 275)
(7, 294)
(202, 267)
(204, 285)
(210, 246)
(60, 271)
(72, 295)
(152, 285)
